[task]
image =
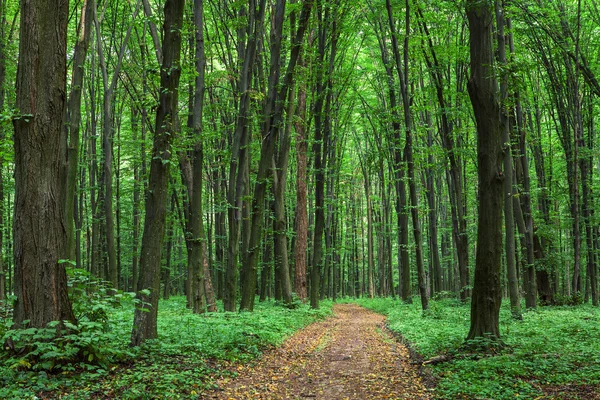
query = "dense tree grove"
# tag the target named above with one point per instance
(304, 149)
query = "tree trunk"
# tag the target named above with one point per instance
(73, 123)
(136, 208)
(3, 269)
(38, 228)
(432, 214)
(408, 152)
(145, 321)
(239, 154)
(107, 138)
(509, 221)
(301, 244)
(273, 121)
(454, 173)
(280, 168)
(196, 226)
(326, 27)
(483, 91)
(370, 246)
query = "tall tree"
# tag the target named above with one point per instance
(483, 91)
(402, 70)
(449, 141)
(38, 226)
(197, 253)
(145, 320)
(238, 166)
(301, 243)
(278, 94)
(74, 121)
(109, 87)
(3, 269)
(509, 221)
(327, 27)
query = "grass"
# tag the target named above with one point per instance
(551, 346)
(190, 352)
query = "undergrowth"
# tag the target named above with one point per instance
(93, 359)
(551, 346)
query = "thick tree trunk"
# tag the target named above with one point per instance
(483, 91)
(39, 234)
(145, 321)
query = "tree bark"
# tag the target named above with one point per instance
(145, 321)
(39, 234)
(483, 91)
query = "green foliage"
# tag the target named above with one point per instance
(93, 358)
(572, 300)
(551, 346)
(62, 345)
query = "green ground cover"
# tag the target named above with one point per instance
(190, 351)
(550, 347)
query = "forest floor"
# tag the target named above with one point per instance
(348, 356)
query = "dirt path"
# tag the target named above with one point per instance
(348, 356)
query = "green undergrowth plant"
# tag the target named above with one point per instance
(550, 347)
(190, 351)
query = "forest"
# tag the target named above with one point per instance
(188, 186)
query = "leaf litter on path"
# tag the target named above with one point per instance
(348, 356)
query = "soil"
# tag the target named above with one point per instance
(348, 356)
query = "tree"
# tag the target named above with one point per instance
(39, 236)
(272, 124)
(73, 123)
(300, 125)
(107, 146)
(239, 164)
(3, 269)
(483, 91)
(403, 75)
(145, 318)
(508, 188)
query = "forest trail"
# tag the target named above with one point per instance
(347, 356)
